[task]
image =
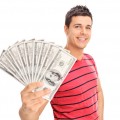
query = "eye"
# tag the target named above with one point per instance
(88, 28)
(77, 26)
(52, 73)
(55, 75)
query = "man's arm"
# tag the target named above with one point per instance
(33, 103)
(31, 115)
(100, 101)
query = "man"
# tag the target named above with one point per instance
(80, 96)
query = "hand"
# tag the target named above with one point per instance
(33, 103)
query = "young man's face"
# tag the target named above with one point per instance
(79, 32)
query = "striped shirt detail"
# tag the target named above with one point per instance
(76, 99)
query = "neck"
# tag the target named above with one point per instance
(76, 52)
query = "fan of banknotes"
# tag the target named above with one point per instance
(37, 60)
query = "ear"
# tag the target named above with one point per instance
(65, 29)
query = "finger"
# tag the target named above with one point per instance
(37, 94)
(39, 100)
(38, 104)
(31, 87)
(35, 105)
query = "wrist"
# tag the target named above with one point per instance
(25, 115)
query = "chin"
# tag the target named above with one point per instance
(82, 47)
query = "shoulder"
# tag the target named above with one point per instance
(88, 56)
(90, 59)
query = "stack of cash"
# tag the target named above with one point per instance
(37, 60)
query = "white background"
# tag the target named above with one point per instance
(26, 19)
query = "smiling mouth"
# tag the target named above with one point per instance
(81, 39)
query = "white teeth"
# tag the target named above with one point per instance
(81, 39)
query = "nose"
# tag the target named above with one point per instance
(83, 31)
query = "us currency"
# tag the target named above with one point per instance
(16, 61)
(21, 54)
(12, 73)
(45, 50)
(33, 58)
(51, 55)
(37, 56)
(4, 68)
(26, 58)
(29, 48)
(56, 72)
(9, 68)
(8, 61)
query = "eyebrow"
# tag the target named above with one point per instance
(81, 24)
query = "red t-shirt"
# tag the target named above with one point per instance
(76, 99)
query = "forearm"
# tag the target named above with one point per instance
(33, 103)
(100, 105)
(29, 114)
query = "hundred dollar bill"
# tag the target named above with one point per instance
(42, 57)
(2, 66)
(16, 60)
(37, 56)
(21, 53)
(56, 72)
(33, 58)
(9, 68)
(29, 51)
(11, 73)
(51, 55)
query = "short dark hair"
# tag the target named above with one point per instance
(78, 10)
